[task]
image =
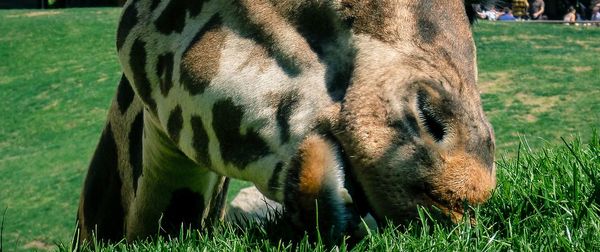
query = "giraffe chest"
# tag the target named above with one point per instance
(219, 94)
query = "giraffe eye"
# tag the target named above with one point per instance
(427, 113)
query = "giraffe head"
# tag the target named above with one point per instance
(412, 124)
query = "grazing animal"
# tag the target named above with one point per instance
(338, 106)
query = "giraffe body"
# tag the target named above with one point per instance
(302, 98)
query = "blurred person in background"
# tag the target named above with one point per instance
(488, 13)
(537, 10)
(596, 13)
(571, 16)
(507, 15)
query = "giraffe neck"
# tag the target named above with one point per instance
(222, 82)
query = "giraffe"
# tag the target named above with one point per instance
(341, 107)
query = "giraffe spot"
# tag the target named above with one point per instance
(262, 29)
(137, 61)
(200, 61)
(338, 80)
(185, 208)
(101, 203)
(421, 157)
(292, 182)
(195, 7)
(274, 184)
(125, 94)
(175, 123)
(128, 21)
(320, 28)
(285, 109)
(428, 30)
(236, 148)
(164, 67)
(200, 141)
(135, 149)
(172, 18)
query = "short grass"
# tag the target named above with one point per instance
(539, 82)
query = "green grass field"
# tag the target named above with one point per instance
(539, 83)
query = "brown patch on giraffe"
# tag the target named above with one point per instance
(315, 156)
(265, 22)
(314, 189)
(200, 62)
(366, 17)
(382, 19)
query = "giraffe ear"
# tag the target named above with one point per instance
(315, 192)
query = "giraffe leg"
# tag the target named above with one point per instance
(100, 210)
(107, 187)
(173, 191)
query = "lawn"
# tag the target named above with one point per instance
(539, 83)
